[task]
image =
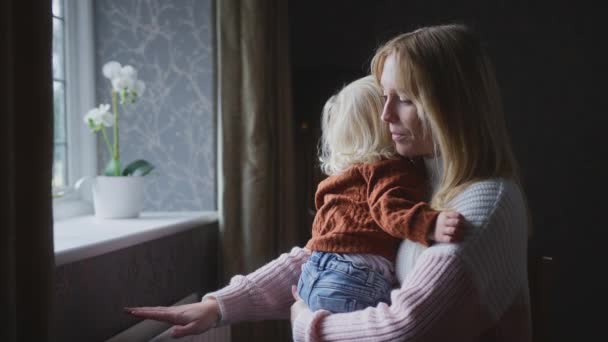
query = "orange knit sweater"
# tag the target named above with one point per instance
(370, 208)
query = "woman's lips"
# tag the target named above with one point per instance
(399, 136)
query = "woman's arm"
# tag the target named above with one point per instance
(456, 291)
(437, 303)
(263, 294)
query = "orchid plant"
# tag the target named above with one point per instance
(126, 89)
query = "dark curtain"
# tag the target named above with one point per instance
(257, 175)
(26, 143)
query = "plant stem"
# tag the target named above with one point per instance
(116, 155)
(105, 138)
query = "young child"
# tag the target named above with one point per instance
(371, 201)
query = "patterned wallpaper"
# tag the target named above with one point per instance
(170, 44)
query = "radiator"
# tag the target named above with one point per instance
(153, 331)
(221, 334)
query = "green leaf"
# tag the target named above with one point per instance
(139, 167)
(112, 168)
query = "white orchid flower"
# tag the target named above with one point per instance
(111, 69)
(100, 116)
(125, 89)
(105, 117)
(128, 71)
(91, 116)
(122, 83)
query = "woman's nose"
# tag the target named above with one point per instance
(387, 112)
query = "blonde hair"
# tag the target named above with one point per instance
(352, 131)
(449, 76)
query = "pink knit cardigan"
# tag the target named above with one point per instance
(476, 290)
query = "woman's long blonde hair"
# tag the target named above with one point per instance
(450, 77)
(352, 131)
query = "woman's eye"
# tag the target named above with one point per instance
(384, 98)
(405, 101)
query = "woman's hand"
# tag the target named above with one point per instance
(298, 307)
(189, 319)
(449, 227)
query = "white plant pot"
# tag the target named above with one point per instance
(118, 197)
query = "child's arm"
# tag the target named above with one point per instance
(398, 212)
(449, 227)
(395, 195)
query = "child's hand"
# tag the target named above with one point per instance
(449, 227)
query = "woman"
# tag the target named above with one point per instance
(370, 202)
(442, 101)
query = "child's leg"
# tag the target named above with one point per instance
(328, 282)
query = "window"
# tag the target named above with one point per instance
(73, 94)
(174, 124)
(60, 159)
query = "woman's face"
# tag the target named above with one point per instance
(402, 116)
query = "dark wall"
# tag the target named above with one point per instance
(90, 293)
(545, 54)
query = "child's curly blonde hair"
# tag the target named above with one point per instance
(352, 131)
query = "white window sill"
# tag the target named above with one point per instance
(83, 237)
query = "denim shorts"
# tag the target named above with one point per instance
(331, 283)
